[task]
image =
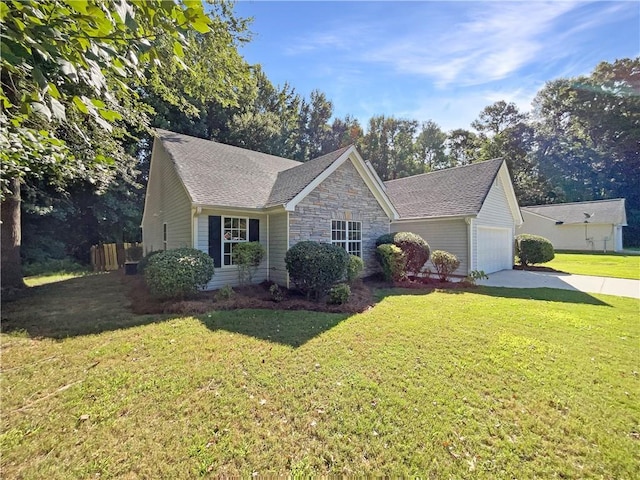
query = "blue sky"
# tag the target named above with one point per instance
(441, 61)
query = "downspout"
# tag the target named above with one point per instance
(268, 243)
(287, 273)
(469, 222)
(195, 211)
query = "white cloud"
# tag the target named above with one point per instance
(490, 42)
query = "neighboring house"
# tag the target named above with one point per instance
(595, 225)
(470, 211)
(212, 196)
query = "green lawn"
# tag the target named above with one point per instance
(598, 264)
(485, 383)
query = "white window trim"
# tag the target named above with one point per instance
(345, 243)
(223, 241)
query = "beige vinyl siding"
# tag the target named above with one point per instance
(570, 237)
(167, 202)
(278, 248)
(448, 235)
(495, 212)
(228, 275)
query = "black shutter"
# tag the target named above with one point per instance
(254, 230)
(215, 239)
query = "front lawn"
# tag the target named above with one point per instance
(485, 383)
(599, 264)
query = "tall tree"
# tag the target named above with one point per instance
(61, 58)
(462, 147)
(430, 146)
(588, 135)
(389, 145)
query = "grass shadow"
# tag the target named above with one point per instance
(98, 303)
(77, 306)
(544, 294)
(292, 328)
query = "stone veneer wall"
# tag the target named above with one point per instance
(342, 196)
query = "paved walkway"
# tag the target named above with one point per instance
(583, 283)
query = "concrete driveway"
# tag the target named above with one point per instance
(582, 283)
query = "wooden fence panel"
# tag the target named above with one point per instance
(111, 256)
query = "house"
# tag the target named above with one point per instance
(470, 211)
(212, 196)
(595, 225)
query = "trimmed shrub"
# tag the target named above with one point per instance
(225, 293)
(247, 256)
(144, 261)
(392, 260)
(354, 268)
(415, 248)
(276, 293)
(314, 267)
(339, 294)
(178, 273)
(445, 264)
(532, 249)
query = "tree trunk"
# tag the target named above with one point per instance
(11, 265)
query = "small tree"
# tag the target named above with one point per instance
(248, 256)
(532, 249)
(445, 264)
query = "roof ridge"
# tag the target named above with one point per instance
(573, 203)
(457, 167)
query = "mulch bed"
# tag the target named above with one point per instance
(258, 297)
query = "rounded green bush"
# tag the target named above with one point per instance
(445, 263)
(314, 267)
(144, 261)
(178, 273)
(339, 294)
(354, 268)
(393, 261)
(532, 249)
(415, 248)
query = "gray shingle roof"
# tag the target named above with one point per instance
(219, 174)
(600, 211)
(223, 175)
(449, 192)
(291, 182)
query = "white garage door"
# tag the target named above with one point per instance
(494, 249)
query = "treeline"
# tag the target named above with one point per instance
(580, 141)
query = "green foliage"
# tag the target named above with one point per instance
(314, 267)
(354, 268)
(248, 256)
(445, 264)
(339, 294)
(276, 293)
(474, 276)
(144, 261)
(392, 260)
(64, 265)
(532, 249)
(225, 293)
(61, 58)
(415, 248)
(178, 273)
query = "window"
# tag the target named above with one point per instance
(164, 236)
(234, 231)
(348, 235)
